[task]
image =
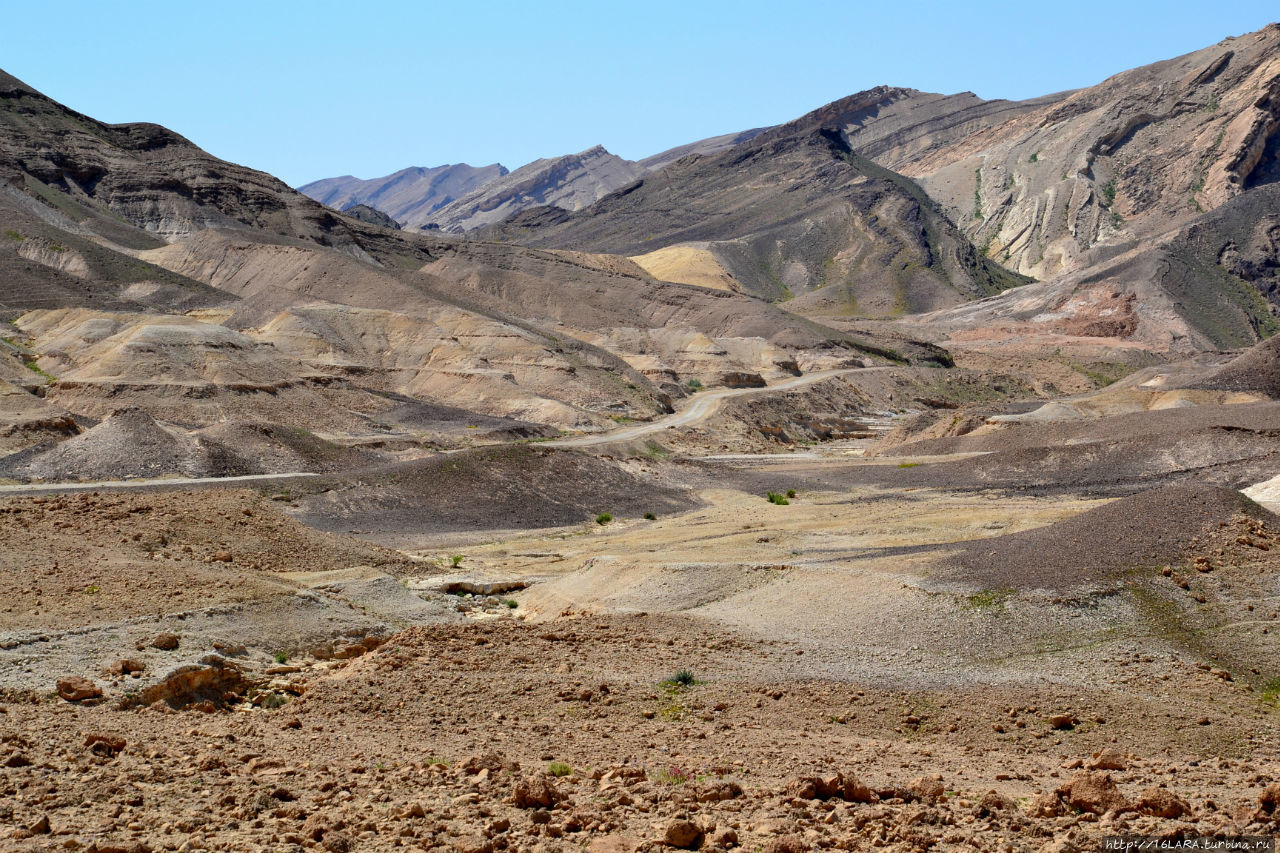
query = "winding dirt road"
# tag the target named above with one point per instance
(700, 407)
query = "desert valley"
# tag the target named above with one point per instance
(901, 477)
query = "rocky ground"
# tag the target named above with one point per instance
(501, 735)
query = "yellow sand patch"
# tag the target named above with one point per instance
(687, 265)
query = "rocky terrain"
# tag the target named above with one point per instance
(751, 496)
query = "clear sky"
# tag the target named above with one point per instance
(317, 89)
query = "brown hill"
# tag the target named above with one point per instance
(791, 212)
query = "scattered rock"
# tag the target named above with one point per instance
(1161, 802)
(1109, 759)
(993, 802)
(535, 791)
(104, 744)
(928, 789)
(165, 642)
(682, 833)
(1063, 721)
(76, 689)
(1093, 791)
(126, 666)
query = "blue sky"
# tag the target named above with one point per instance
(311, 90)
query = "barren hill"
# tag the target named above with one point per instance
(569, 183)
(791, 212)
(407, 196)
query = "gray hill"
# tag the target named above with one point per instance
(408, 196)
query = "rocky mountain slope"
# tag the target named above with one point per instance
(568, 183)
(792, 212)
(408, 196)
(153, 275)
(1142, 151)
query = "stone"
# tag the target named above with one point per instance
(221, 557)
(76, 689)
(354, 650)
(535, 791)
(1063, 721)
(993, 802)
(682, 833)
(927, 789)
(126, 666)
(165, 642)
(1269, 799)
(1161, 802)
(1094, 791)
(1047, 804)
(104, 744)
(1109, 759)
(41, 826)
(727, 837)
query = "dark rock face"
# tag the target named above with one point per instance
(367, 214)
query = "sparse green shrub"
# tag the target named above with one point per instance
(559, 768)
(1271, 692)
(776, 498)
(281, 657)
(1034, 158)
(92, 589)
(604, 518)
(680, 680)
(693, 385)
(791, 493)
(511, 604)
(13, 235)
(456, 560)
(648, 516)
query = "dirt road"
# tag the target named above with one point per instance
(699, 408)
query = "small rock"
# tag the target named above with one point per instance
(165, 642)
(927, 789)
(682, 833)
(103, 744)
(993, 802)
(1109, 759)
(1091, 791)
(221, 557)
(726, 837)
(354, 650)
(1161, 802)
(126, 666)
(1063, 721)
(40, 827)
(535, 791)
(76, 689)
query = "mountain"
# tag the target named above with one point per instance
(1134, 156)
(143, 272)
(791, 213)
(408, 196)
(711, 145)
(569, 183)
